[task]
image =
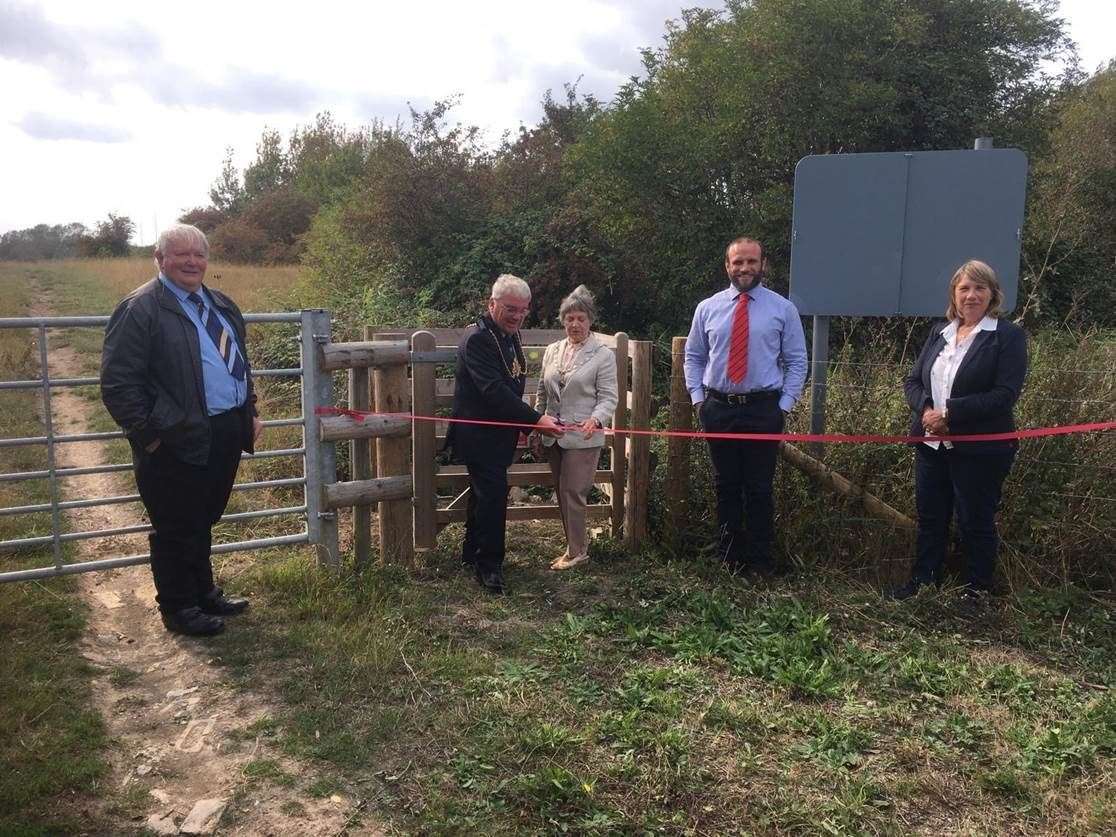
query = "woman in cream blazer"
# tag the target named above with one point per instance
(577, 386)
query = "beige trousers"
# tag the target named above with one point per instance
(573, 471)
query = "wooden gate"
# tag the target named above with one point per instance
(395, 461)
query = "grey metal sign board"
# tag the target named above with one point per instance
(882, 234)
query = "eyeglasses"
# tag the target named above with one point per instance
(514, 310)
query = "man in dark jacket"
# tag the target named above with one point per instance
(175, 376)
(491, 374)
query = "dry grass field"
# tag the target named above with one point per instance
(253, 288)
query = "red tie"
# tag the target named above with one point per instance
(738, 346)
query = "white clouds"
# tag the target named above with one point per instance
(44, 126)
(99, 96)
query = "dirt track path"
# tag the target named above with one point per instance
(182, 732)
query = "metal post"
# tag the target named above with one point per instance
(48, 422)
(321, 458)
(819, 367)
(982, 144)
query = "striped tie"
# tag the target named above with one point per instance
(224, 341)
(738, 345)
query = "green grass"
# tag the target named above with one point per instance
(52, 746)
(639, 696)
(671, 698)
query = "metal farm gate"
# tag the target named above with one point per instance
(317, 459)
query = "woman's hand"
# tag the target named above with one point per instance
(589, 427)
(933, 421)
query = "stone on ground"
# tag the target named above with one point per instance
(204, 816)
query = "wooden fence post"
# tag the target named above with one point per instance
(639, 446)
(361, 467)
(678, 449)
(396, 532)
(619, 441)
(424, 444)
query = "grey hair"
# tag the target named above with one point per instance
(508, 285)
(181, 232)
(579, 299)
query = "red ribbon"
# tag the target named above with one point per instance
(840, 438)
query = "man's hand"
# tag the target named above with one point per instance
(153, 446)
(257, 429)
(550, 426)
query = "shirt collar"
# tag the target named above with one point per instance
(735, 294)
(986, 324)
(177, 291)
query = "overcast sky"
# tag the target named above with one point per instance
(128, 106)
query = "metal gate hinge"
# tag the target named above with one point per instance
(327, 515)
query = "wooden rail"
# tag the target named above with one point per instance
(365, 354)
(339, 428)
(363, 493)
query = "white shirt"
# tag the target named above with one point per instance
(948, 362)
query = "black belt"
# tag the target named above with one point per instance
(739, 399)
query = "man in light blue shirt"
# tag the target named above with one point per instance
(223, 390)
(745, 369)
(175, 376)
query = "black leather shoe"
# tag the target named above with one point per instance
(908, 590)
(764, 568)
(218, 604)
(192, 622)
(974, 597)
(493, 582)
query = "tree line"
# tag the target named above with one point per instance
(635, 198)
(109, 238)
(408, 223)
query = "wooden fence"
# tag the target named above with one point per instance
(394, 460)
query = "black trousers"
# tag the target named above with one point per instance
(944, 481)
(744, 474)
(486, 516)
(183, 502)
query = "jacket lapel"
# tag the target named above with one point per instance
(981, 340)
(170, 302)
(931, 356)
(583, 357)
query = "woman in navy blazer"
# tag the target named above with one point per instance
(966, 381)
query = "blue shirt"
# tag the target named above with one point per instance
(223, 392)
(776, 346)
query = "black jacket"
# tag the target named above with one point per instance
(485, 389)
(985, 389)
(151, 373)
